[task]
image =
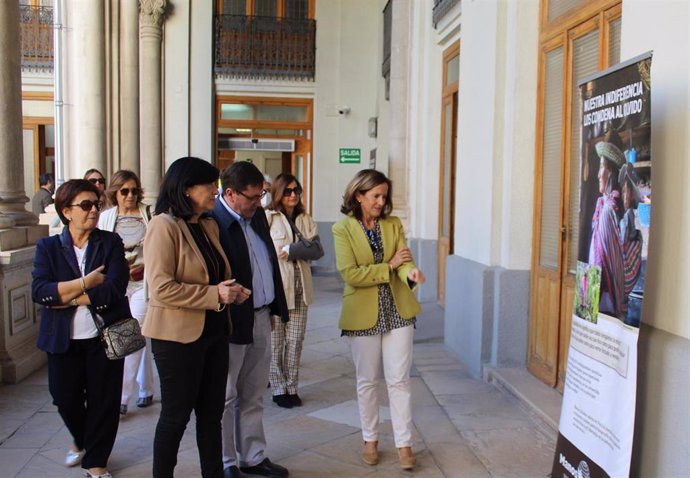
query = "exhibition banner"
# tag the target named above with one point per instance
(598, 413)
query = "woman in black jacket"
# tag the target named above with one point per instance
(79, 275)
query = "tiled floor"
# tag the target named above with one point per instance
(463, 427)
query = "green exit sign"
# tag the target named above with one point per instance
(350, 155)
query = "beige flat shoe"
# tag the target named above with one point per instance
(407, 459)
(370, 453)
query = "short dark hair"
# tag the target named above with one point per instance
(239, 175)
(45, 178)
(364, 181)
(183, 173)
(117, 180)
(66, 193)
(278, 187)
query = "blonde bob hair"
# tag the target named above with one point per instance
(364, 181)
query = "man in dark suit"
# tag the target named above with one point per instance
(246, 239)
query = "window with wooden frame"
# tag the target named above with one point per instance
(577, 39)
(268, 8)
(271, 119)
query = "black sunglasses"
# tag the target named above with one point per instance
(287, 192)
(87, 205)
(125, 191)
(97, 180)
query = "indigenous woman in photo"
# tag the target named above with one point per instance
(129, 218)
(187, 319)
(296, 240)
(605, 249)
(379, 307)
(80, 275)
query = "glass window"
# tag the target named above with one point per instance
(229, 111)
(278, 132)
(561, 7)
(234, 7)
(281, 113)
(551, 159)
(265, 8)
(453, 70)
(297, 8)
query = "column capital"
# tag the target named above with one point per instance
(152, 12)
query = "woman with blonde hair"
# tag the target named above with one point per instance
(379, 307)
(129, 218)
(296, 241)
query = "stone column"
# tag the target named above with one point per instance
(151, 15)
(85, 119)
(18, 353)
(12, 195)
(129, 85)
(398, 163)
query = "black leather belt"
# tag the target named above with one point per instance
(256, 309)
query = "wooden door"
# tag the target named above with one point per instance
(449, 136)
(579, 51)
(447, 190)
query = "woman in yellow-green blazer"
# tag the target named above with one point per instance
(379, 307)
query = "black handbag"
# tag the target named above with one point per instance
(304, 249)
(120, 338)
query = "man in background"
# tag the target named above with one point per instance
(44, 195)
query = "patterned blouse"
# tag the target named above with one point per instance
(388, 318)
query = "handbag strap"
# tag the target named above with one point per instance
(100, 325)
(294, 228)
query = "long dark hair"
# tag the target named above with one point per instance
(183, 173)
(277, 188)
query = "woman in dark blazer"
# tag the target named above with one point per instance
(187, 319)
(78, 274)
(379, 307)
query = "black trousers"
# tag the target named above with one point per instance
(86, 389)
(192, 377)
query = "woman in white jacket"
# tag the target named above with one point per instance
(129, 218)
(296, 240)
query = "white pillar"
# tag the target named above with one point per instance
(12, 195)
(85, 117)
(398, 162)
(151, 14)
(129, 85)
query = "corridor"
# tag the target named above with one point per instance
(464, 428)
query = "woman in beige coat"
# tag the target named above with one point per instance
(297, 242)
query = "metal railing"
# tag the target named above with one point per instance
(36, 37)
(441, 7)
(265, 47)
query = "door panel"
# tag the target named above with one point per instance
(447, 199)
(449, 137)
(568, 55)
(542, 358)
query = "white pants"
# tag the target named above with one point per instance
(393, 351)
(139, 365)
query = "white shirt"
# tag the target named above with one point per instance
(83, 326)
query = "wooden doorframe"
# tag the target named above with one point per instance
(449, 95)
